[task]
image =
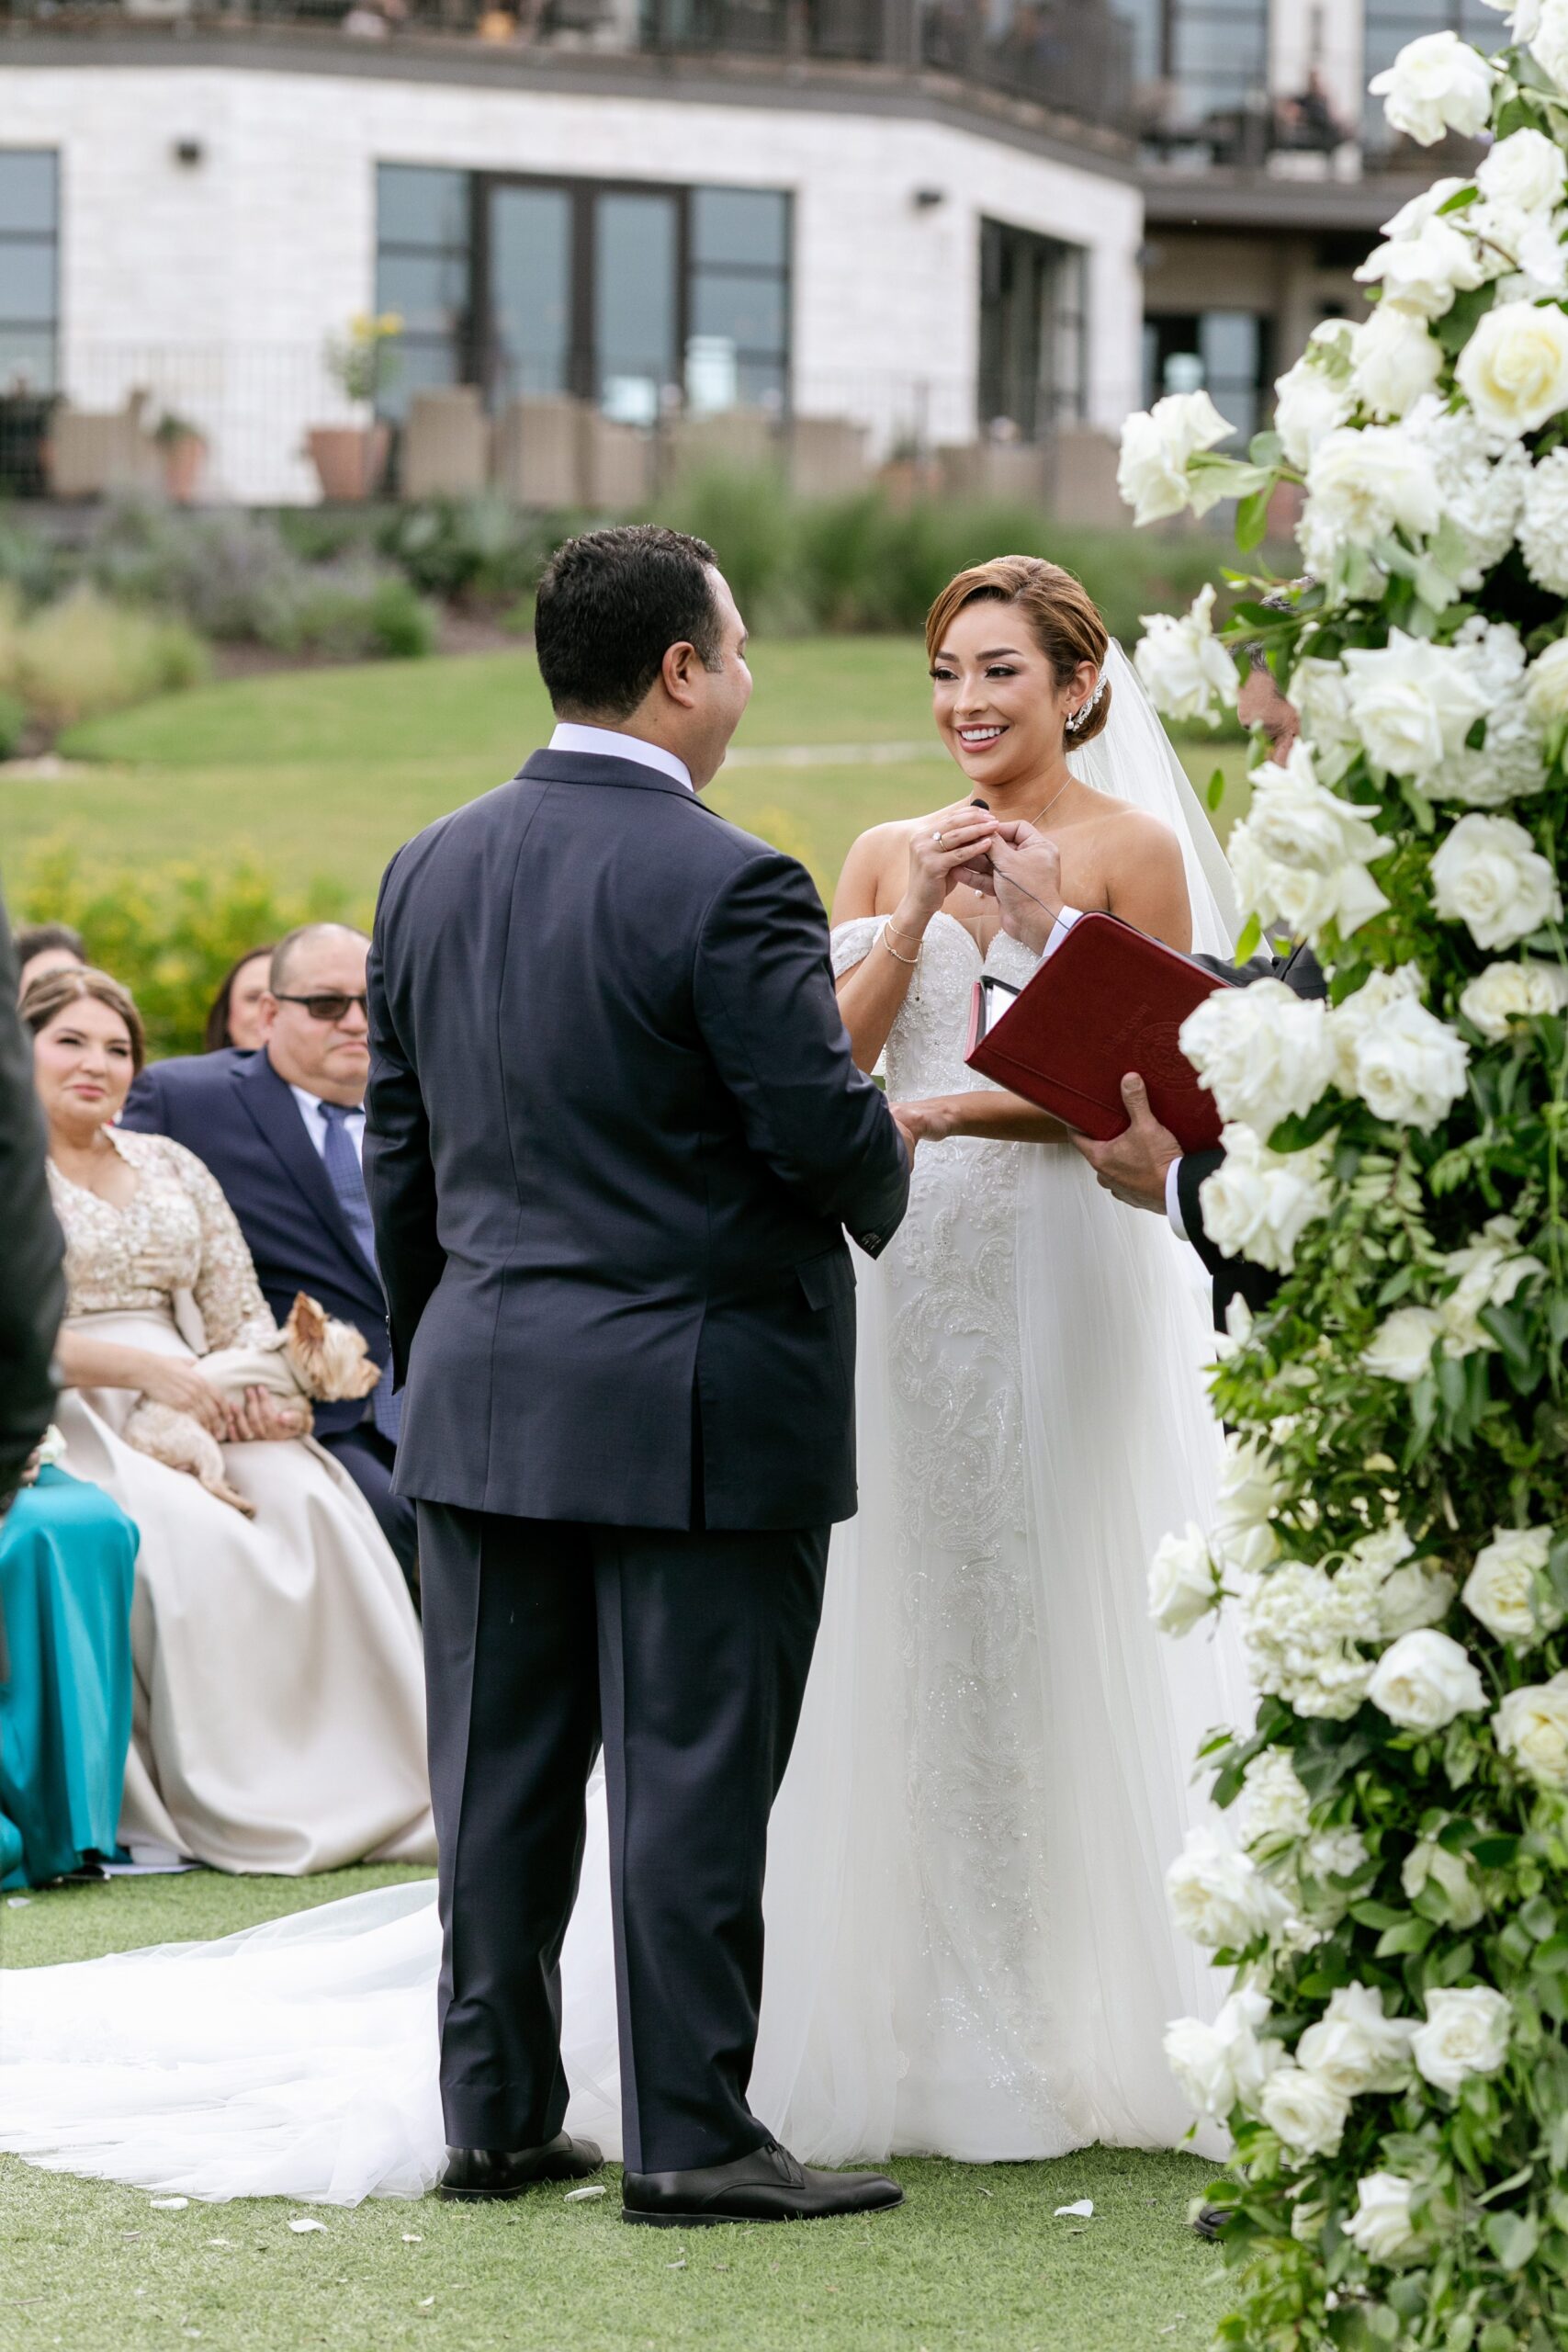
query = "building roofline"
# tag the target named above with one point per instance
(798, 85)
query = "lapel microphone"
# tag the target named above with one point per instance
(976, 802)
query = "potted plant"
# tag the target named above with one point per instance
(182, 449)
(351, 459)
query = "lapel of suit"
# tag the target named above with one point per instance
(276, 1114)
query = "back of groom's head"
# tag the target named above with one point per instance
(610, 606)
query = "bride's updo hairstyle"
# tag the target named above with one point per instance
(48, 995)
(1062, 616)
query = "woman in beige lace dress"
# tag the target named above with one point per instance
(279, 1702)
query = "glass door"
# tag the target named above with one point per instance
(635, 302)
(530, 290)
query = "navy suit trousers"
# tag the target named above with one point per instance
(686, 1654)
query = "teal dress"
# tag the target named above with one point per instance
(67, 1563)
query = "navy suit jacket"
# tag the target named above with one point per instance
(235, 1112)
(615, 1135)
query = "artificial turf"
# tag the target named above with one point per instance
(977, 2261)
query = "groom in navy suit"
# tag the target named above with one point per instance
(282, 1131)
(617, 1139)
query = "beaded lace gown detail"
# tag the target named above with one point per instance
(969, 1951)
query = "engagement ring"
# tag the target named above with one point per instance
(936, 838)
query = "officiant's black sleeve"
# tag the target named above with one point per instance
(399, 1176)
(32, 1282)
(765, 999)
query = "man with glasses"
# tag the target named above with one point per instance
(282, 1130)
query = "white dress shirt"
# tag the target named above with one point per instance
(609, 743)
(311, 1111)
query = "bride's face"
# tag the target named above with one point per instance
(83, 1065)
(995, 697)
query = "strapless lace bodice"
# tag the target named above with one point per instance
(925, 1050)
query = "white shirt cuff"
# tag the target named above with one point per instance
(1173, 1199)
(1058, 931)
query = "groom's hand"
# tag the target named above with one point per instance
(1133, 1164)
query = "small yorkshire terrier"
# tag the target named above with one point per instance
(313, 1356)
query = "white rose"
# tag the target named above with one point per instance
(1181, 1581)
(1428, 1863)
(1412, 216)
(1249, 1493)
(1363, 482)
(1546, 680)
(1422, 272)
(1543, 531)
(1514, 369)
(1301, 1628)
(1335, 1853)
(1263, 1052)
(1532, 1728)
(1310, 400)
(1218, 2065)
(1218, 1898)
(1257, 1203)
(1435, 85)
(1414, 1596)
(1320, 691)
(1507, 764)
(1354, 2047)
(1526, 169)
(1402, 1346)
(1301, 900)
(1425, 1680)
(1307, 2113)
(1482, 491)
(1157, 443)
(1410, 1067)
(1466, 2033)
(1294, 819)
(1186, 669)
(1501, 1587)
(1277, 1806)
(1544, 24)
(1504, 993)
(1489, 875)
(1381, 2226)
(1412, 702)
(1396, 360)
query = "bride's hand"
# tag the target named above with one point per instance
(169, 1381)
(929, 1122)
(939, 846)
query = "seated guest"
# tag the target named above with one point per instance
(282, 1130)
(45, 947)
(67, 1567)
(278, 1683)
(234, 1016)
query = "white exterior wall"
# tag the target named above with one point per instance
(218, 284)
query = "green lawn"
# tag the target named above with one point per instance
(327, 771)
(977, 2261)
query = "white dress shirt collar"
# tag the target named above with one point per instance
(315, 1121)
(609, 743)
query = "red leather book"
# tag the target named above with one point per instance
(1110, 999)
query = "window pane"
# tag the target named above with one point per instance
(26, 361)
(1229, 342)
(1147, 17)
(761, 383)
(422, 367)
(27, 282)
(28, 189)
(530, 288)
(737, 224)
(749, 310)
(634, 304)
(415, 207)
(429, 291)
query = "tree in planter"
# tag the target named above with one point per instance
(1393, 2062)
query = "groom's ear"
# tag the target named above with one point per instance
(678, 671)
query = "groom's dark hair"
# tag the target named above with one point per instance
(610, 606)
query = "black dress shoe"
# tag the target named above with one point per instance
(474, 2174)
(1209, 2220)
(766, 2185)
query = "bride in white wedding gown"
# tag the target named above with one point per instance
(968, 1947)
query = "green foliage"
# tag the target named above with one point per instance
(481, 552)
(171, 934)
(13, 725)
(84, 656)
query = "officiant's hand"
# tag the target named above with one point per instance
(1023, 873)
(1133, 1165)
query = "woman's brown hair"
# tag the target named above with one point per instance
(215, 1036)
(1062, 615)
(48, 995)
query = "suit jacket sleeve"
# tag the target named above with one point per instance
(32, 1280)
(400, 1175)
(764, 999)
(145, 1112)
(1192, 1169)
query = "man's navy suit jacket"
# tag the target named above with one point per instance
(616, 1138)
(235, 1112)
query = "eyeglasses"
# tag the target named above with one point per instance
(325, 1007)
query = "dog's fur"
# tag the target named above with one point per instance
(313, 1356)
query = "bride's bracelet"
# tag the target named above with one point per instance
(886, 937)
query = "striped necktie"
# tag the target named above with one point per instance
(347, 1180)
